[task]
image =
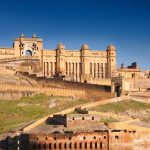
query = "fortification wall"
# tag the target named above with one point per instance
(48, 91)
(58, 82)
(14, 95)
(138, 83)
(141, 96)
(121, 136)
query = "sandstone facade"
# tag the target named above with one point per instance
(83, 65)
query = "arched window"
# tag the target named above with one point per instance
(80, 145)
(86, 145)
(45, 146)
(54, 145)
(65, 145)
(96, 145)
(28, 53)
(59, 145)
(90, 144)
(50, 145)
(34, 146)
(39, 146)
(101, 144)
(70, 145)
(75, 145)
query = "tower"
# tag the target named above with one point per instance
(85, 50)
(60, 56)
(28, 46)
(111, 60)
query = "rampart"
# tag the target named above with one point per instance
(44, 90)
(59, 82)
(14, 95)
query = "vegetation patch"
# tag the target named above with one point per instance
(108, 119)
(121, 106)
(15, 112)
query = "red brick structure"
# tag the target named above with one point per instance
(74, 131)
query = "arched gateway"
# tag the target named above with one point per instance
(28, 53)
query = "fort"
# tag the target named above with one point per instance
(28, 69)
(28, 60)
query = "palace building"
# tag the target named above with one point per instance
(83, 65)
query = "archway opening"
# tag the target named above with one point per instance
(28, 53)
(118, 90)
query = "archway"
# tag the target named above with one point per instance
(28, 53)
(118, 90)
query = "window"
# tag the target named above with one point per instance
(90, 144)
(75, 145)
(85, 145)
(55, 145)
(116, 137)
(65, 145)
(101, 144)
(70, 145)
(59, 145)
(50, 145)
(34, 146)
(39, 146)
(96, 145)
(80, 145)
(45, 146)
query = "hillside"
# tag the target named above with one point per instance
(19, 112)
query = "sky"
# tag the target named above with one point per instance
(125, 23)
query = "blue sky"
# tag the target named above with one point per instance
(125, 23)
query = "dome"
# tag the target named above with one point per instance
(34, 36)
(85, 47)
(111, 47)
(60, 46)
(22, 35)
